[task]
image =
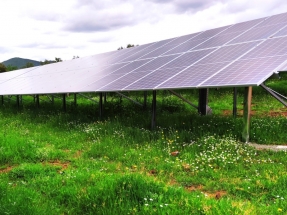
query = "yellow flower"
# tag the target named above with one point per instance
(279, 209)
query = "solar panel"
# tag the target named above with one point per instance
(228, 53)
(242, 54)
(271, 47)
(258, 33)
(217, 40)
(124, 81)
(174, 43)
(188, 58)
(247, 72)
(152, 79)
(283, 32)
(191, 76)
(156, 63)
(275, 19)
(243, 26)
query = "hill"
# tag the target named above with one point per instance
(20, 62)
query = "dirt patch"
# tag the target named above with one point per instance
(239, 113)
(216, 195)
(58, 163)
(6, 170)
(78, 154)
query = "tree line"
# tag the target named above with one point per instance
(9, 68)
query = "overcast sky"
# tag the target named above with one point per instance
(40, 30)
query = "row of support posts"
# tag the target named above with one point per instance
(202, 106)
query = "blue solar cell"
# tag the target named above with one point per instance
(217, 41)
(156, 63)
(191, 77)
(132, 66)
(228, 53)
(271, 47)
(158, 52)
(247, 72)
(151, 80)
(174, 43)
(275, 19)
(96, 85)
(124, 81)
(211, 33)
(189, 45)
(188, 58)
(128, 53)
(283, 32)
(243, 26)
(258, 33)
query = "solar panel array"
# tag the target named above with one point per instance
(243, 54)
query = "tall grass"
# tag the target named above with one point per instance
(55, 162)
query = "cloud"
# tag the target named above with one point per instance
(103, 16)
(42, 45)
(180, 6)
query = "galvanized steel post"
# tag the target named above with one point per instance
(246, 114)
(153, 120)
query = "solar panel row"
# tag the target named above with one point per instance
(243, 54)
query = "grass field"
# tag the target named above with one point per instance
(56, 162)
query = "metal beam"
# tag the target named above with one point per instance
(274, 94)
(179, 96)
(153, 119)
(123, 95)
(246, 114)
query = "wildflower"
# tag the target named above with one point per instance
(279, 210)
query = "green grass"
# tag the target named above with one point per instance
(55, 162)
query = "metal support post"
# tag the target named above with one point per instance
(18, 100)
(153, 120)
(145, 100)
(101, 105)
(52, 99)
(64, 102)
(105, 98)
(246, 114)
(37, 100)
(234, 102)
(202, 101)
(75, 99)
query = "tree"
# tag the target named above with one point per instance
(57, 59)
(130, 45)
(75, 57)
(11, 68)
(28, 65)
(2, 68)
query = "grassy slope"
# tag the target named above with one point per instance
(73, 163)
